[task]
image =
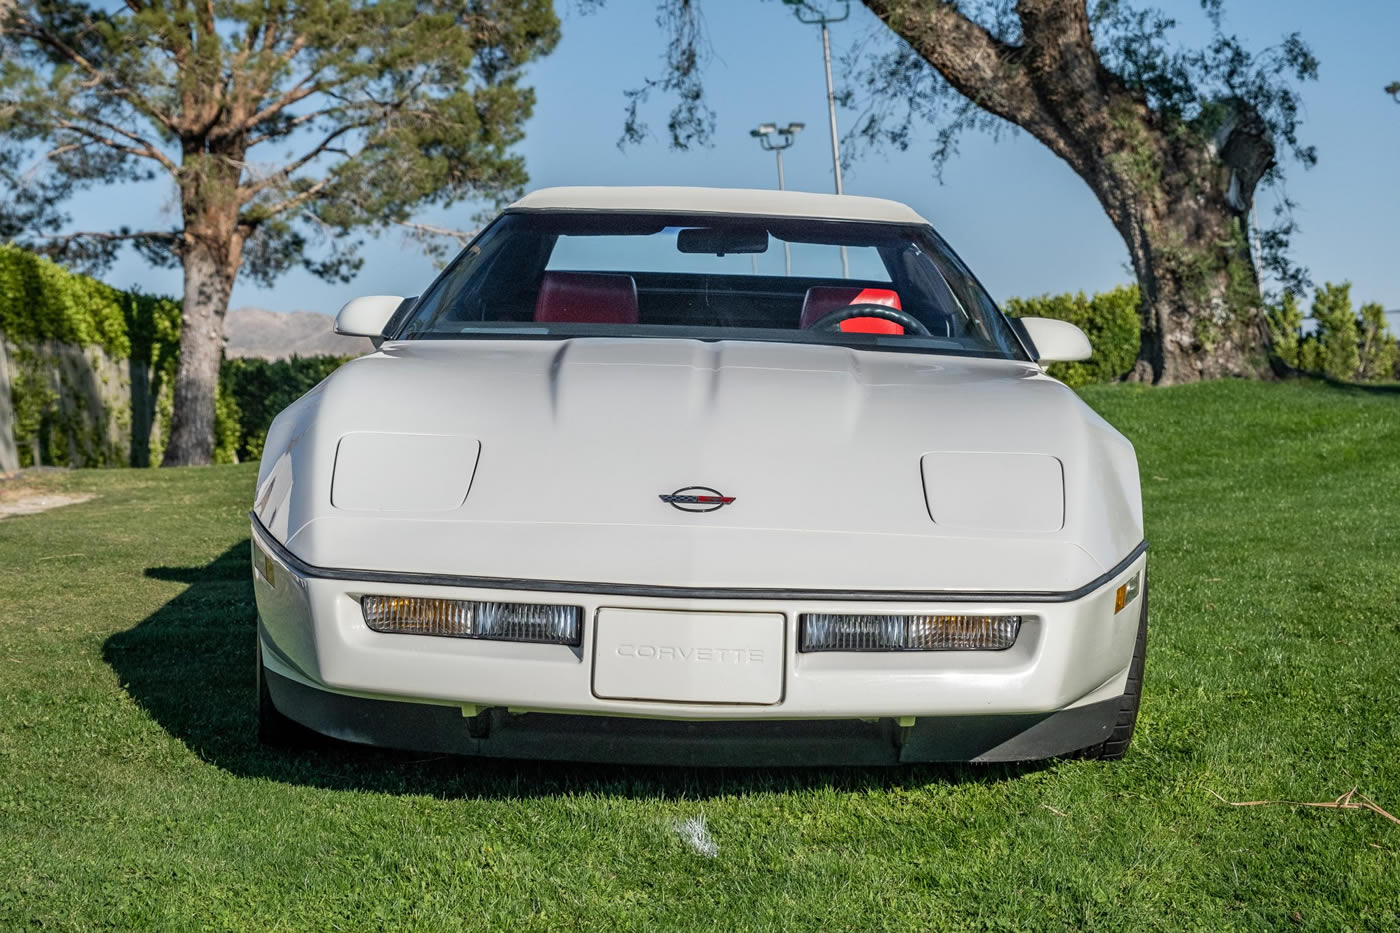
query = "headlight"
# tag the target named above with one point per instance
(830, 632)
(460, 618)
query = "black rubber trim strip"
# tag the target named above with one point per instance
(685, 592)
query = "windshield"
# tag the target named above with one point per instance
(711, 277)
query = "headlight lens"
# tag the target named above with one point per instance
(832, 632)
(460, 618)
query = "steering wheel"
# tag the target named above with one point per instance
(833, 320)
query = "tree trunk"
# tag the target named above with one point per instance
(1181, 202)
(1202, 315)
(209, 275)
(211, 252)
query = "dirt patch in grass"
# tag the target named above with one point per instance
(42, 502)
(26, 492)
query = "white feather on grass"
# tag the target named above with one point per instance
(697, 836)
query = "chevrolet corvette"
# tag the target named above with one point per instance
(706, 477)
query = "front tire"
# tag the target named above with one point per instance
(1116, 745)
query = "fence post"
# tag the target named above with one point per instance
(9, 455)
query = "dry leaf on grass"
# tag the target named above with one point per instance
(1351, 800)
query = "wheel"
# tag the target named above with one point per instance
(275, 729)
(1116, 745)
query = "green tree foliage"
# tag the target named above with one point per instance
(1285, 319)
(1345, 344)
(1110, 319)
(263, 388)
(283, 128)
(1338, 355)
(1377, 350)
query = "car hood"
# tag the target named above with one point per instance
(852, 469)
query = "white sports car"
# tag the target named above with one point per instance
(708, 477)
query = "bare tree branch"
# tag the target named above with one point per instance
(284, 129)
(168, 236)
(248, 191)
(463, 237)
(303, 89)
(1058, 41)
(144, 151)
(270, 210)
(991, 73)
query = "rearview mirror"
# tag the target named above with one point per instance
(720, 242)
(1055, 341)
(366, 317)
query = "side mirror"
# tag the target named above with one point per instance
(366, 317)
(1055, 341)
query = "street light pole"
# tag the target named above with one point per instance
(831, 105)
(764, 133)
(818, 17)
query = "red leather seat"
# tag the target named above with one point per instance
(587, 298)
(822, 300)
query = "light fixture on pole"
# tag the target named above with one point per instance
(764, 133)
(812, 16)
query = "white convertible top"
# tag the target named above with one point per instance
(721, 201)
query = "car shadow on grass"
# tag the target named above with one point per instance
(191, 667)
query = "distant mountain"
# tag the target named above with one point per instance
(276, 335)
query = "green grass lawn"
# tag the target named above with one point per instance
(133, 794)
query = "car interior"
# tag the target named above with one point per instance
(681, 299)
(532, 275)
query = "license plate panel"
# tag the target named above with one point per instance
(689, 657)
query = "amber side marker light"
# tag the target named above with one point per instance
(461, 618)
(263, 564)
(1126, 593)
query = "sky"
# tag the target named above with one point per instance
(1023, 221)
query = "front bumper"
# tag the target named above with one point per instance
(1056, 691)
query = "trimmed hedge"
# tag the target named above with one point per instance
(42, 301)
(1109, 318)
(262, 388)
(45, 308)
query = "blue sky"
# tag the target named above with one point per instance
(1020, 217)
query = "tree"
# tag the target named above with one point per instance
(1352, 346)
(283, 125)
(1172, 141)
(1377, 351)
(1338, 353)
(1286, 330)
(1346, 346)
